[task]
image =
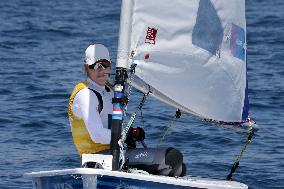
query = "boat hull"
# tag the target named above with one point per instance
(85, 178)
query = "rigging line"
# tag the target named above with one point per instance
(129, 88)
(243, 126)
(236, 123)
(129, 91)
(142, 119)
(126, 129)
(133, 117)
(169, 126)
(141, 105)
(237, 162)
(143, 100)
(140, 109)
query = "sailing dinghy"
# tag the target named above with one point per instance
(188, 54)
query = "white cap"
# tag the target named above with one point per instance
(96, 52)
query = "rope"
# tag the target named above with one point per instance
(237, 162)
(126, 128)
(121, 154)
(169, 126)
(133, 117)
(248, 121)
(132, 71)
(129, 88)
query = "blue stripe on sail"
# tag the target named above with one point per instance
(237, 42)
(208, 31)
(245, 113)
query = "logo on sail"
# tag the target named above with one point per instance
(151, 35)
(237, 42)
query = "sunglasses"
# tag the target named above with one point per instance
(98, 66)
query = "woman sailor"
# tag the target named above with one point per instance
(90, 103)
(89, 110)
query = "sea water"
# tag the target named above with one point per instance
(42, 45)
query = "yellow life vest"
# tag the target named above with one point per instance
(81, 136)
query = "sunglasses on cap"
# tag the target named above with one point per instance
(101, 65)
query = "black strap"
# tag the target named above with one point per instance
(100, 99)
(107, 89)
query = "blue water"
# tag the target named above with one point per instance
(41, 52)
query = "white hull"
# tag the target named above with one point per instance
(87, 178)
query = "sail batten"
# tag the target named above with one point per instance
(193, 53)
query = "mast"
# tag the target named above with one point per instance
(120, 79)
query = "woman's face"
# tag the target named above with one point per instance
(99, 75)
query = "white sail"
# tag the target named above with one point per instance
(191, 51)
